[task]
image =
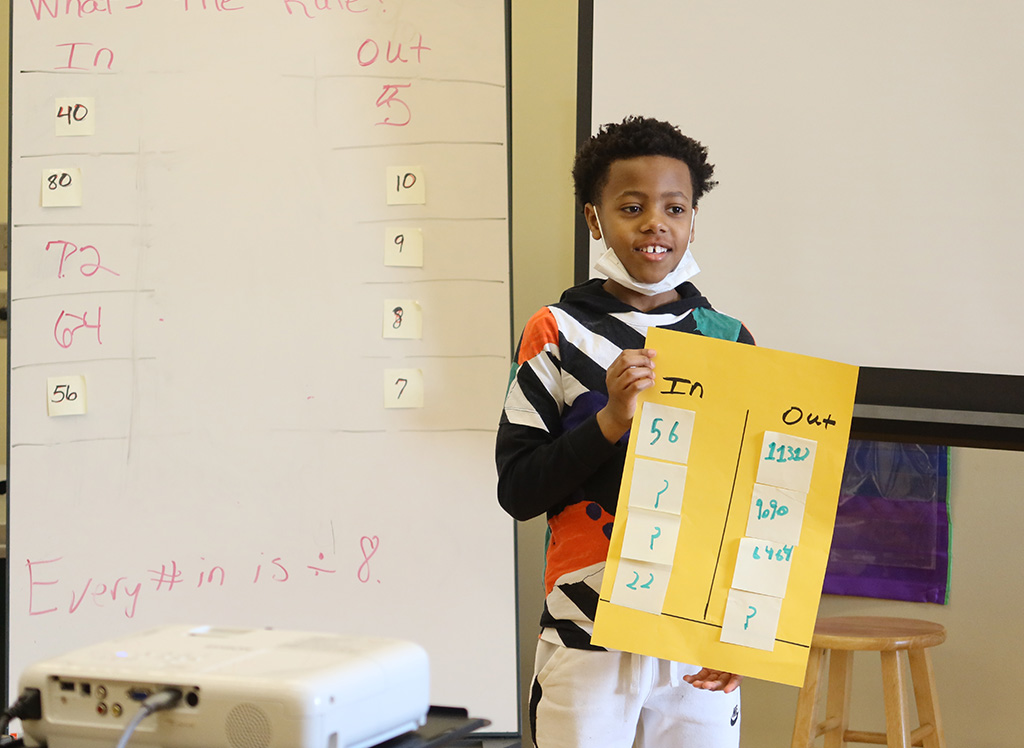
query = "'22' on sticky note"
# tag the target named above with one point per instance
(641, 586)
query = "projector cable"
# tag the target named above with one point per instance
(167, 698)
(28, 706)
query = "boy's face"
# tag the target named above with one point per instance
(646, 211)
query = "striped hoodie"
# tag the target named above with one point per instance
(551, 455)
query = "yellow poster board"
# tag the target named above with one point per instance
(727, 506)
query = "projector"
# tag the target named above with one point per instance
(241, 688)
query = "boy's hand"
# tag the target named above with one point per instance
(714, 680)
(630, 373)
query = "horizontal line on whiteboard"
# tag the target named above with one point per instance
(417, 143)
(330, 431)
(68, 72)
(460, 355)
(83, 153)
(436, 355)
(73, 225)
(83, 293)
(396, 78)
(72, 441)
(446, 431)
(84, 361)
(421, 219)
(433, 280)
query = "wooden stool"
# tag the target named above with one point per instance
(841, 637)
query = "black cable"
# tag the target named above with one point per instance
(167, 698)
(28, 706)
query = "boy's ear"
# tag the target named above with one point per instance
(590, 214)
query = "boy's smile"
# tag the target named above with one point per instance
(645, 215)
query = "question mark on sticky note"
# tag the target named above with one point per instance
(655, 536)
(753, 612)
(657, 497)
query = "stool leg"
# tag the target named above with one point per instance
(805, 728)
(837, 709)
(926, 696)
(894, 687)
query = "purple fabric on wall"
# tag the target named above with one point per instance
(892, 528)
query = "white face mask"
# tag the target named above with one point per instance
(610, 265)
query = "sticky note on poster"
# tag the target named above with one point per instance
(751, 620)
(641, 586)
(665, 432)
(657, 486)
(787, 461)
(776, 514)
(752, 425)
(762, 567)
(651, 537)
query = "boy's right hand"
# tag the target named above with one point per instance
(630, 373)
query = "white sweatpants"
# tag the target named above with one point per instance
(592, 699)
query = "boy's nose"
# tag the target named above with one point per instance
(655, 222)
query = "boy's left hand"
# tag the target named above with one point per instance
(714, 680)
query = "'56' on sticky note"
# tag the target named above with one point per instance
(65, 396)
(665, 432)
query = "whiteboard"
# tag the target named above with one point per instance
(868, 156)
(214, 257)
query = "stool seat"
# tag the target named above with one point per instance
(876, 634)
(835, 640)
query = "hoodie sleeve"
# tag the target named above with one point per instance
(540, 464)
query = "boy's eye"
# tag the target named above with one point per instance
(677, 210)
(631, 209)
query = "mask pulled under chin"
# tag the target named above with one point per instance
(609, 265)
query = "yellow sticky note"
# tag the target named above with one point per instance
(403, 247)
(61, 188)
(741, 400)
(403, 388)
(402, 318)
(75, 116)
(406, 185)
(65, 396)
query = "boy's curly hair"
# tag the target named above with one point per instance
(633, 137)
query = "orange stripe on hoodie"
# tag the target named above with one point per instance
(540, 331)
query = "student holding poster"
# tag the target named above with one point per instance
(564, 431)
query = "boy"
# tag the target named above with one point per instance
(563, 434)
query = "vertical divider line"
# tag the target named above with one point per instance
(732, 491)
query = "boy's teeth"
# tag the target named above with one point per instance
(653, 250)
